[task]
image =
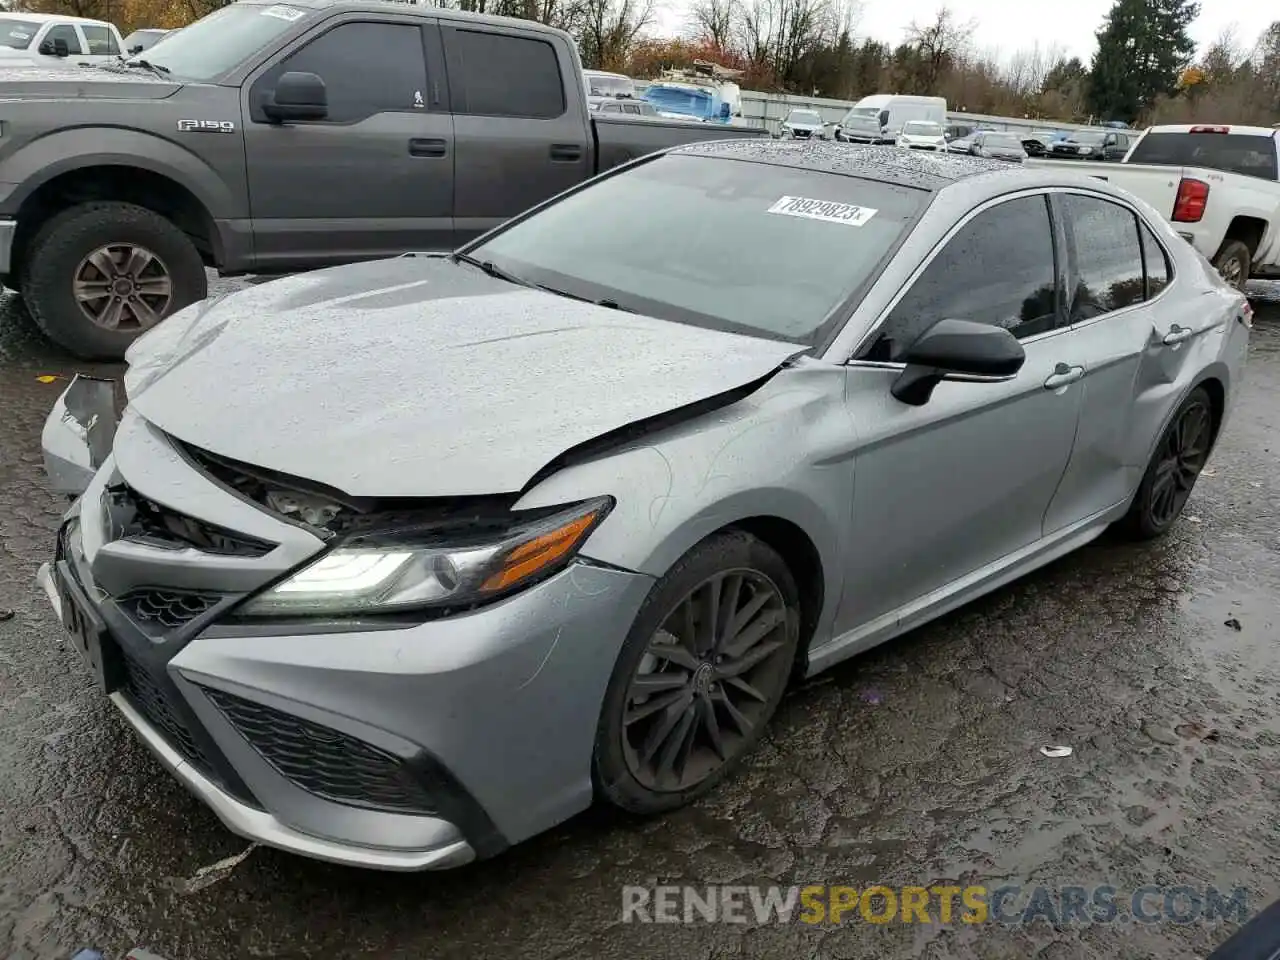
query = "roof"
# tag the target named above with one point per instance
(908, 168)
(1231, 128)
(47, 17)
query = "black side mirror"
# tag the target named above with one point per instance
(297, 96)
(959, 349)
(55, 48)
(136, 48)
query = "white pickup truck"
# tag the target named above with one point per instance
(1218, 185)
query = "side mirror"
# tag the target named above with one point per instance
(297, 96)
(55, 48)
(960, 349)
(136, 48)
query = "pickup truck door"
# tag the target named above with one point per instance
(375, 178)
(519, 122)
(101, 43)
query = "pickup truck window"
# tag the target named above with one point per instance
(17, 34)
(65, 31)
(1247, 154)
(225, 39)
(714, 243)
(102, 42)
(1109, 261)
(502, 75)
(1155, 260)
(367, 68)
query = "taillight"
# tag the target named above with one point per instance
(1210, 130)
(1191, 200)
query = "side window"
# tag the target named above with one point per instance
(630, 108)
(503, 75)
(101, 41)
(65, 31)
(367, 68)
(1108, 256)
(999, 269)
(1155, 261)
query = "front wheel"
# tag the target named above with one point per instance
(100, 274)
(1174, 468)
(700, 674)
(1233, 263)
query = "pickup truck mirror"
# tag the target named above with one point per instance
(136, 48)
(297, 96)
(55, 48)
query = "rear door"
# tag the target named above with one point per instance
(373, 179)
(519, 138)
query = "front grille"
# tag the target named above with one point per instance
(152, 702)
(323, 761)
(165, 609)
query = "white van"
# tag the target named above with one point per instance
(892, 110)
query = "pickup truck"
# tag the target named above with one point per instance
(1219, 185)
(273, 137)
(52, 40)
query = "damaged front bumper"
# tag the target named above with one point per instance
(397, 747)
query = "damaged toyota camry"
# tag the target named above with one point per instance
(400, 563)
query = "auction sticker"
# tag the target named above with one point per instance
(284, 13)
(828, 210)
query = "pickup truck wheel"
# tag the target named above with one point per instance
(99, 274)
(1233, 262)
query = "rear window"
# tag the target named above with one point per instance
(744, 247)
(1003, 140)
(1248, 154)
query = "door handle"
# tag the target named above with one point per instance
(566, 152)
(1177, 334)
(1063, 375)
(427, 147)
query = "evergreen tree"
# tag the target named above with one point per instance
(1143, 47)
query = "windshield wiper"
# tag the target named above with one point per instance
(495, 271)
(158, 69)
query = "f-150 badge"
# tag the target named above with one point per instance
(206, 126)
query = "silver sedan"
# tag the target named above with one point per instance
(400, 563)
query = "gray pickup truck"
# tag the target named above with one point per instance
(271, 137)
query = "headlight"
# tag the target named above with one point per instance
(402, 570)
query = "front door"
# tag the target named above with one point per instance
(944, 489)
(373, 179)
(520, 139)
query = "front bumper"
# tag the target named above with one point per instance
(390, 747)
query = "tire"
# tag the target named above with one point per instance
(617, 764)
(61, 246)
(1145, 520)
(1233, 261)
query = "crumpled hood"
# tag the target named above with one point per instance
(416, 377)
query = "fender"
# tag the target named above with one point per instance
(65, 150)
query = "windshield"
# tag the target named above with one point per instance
(804, 116)
(1253, 155)
(861, 123)
(682, 100)
(224, 39)
(743, 247)
(17, 34)
(922, 128)
(1004, 141)
(1091, 138)
(610, 86)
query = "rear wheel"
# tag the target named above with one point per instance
(1233, 262)
(700, 675)
(99, 274)
(1174, 468)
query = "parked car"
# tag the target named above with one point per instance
(144, 39)
(922, 135)
(623, 108)
(1091, 145)
(1039, 143)
(894, 110)
(959, 145)
(997, 145)
(45, 39)
(855, 129)
(278, 138)
(402, 621)
(600, 83)
(803, 125)
(1219, 185)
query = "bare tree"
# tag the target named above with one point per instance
(939, 43)
(714, 22)
(609, 29)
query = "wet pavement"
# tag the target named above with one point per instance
(917, 764)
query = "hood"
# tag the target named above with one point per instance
(811, 127)
(418, 377)
(72, 81)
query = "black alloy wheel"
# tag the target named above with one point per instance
(1174, 468)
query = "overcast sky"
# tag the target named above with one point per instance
(1009, 25)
